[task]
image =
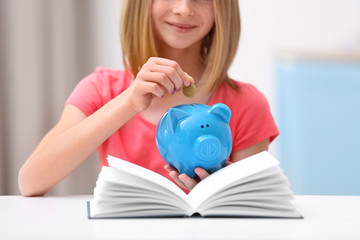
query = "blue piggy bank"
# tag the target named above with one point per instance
(195, 135)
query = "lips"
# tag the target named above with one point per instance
(180, 27)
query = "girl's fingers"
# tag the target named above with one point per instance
(175, 176)
(167, 73)
(183, 180)
(174, 65)
(171, 75)
(189, 182)
(158, 78)
(154, 88)
(169, 168)
(190, 79)
(227, 163)
(202, 174)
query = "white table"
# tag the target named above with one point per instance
(325, 217)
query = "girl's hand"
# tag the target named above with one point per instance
(185, 181)
(157, 77)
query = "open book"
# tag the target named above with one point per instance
(252, 187)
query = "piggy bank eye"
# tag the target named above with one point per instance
(207, 125)
(202, 126)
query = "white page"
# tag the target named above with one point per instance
(146, 174)
(114, 181)
(228, 175)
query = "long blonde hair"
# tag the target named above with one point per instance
(218, 50)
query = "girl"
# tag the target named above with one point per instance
(167, 44)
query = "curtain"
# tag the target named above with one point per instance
(46, 47)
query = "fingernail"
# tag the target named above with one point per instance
(187, 81)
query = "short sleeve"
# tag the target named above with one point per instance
(96, 89)
(251, 119)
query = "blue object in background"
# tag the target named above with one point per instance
(195, 135)
(319, 121)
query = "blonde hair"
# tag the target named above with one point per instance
(219, 46)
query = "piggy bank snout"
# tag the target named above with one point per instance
(207, 147)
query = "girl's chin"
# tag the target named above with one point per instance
(181, 44)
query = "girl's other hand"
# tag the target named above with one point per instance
(185, 181)
(157, 77)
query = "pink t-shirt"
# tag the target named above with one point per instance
(251, 119)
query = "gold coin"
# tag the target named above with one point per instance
(189, 91)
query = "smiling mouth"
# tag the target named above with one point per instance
(181, 27)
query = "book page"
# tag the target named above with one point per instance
(229, 175)
(146, 174)
(275, 186)
(115, 185)
(127, 190)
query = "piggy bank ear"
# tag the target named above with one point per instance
(174, 116)
(222, 111)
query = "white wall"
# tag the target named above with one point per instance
(106, 23)
(268, 27)
(296, 25)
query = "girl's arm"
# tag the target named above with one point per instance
(69, 143)
(189, 183)
(76, 136)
